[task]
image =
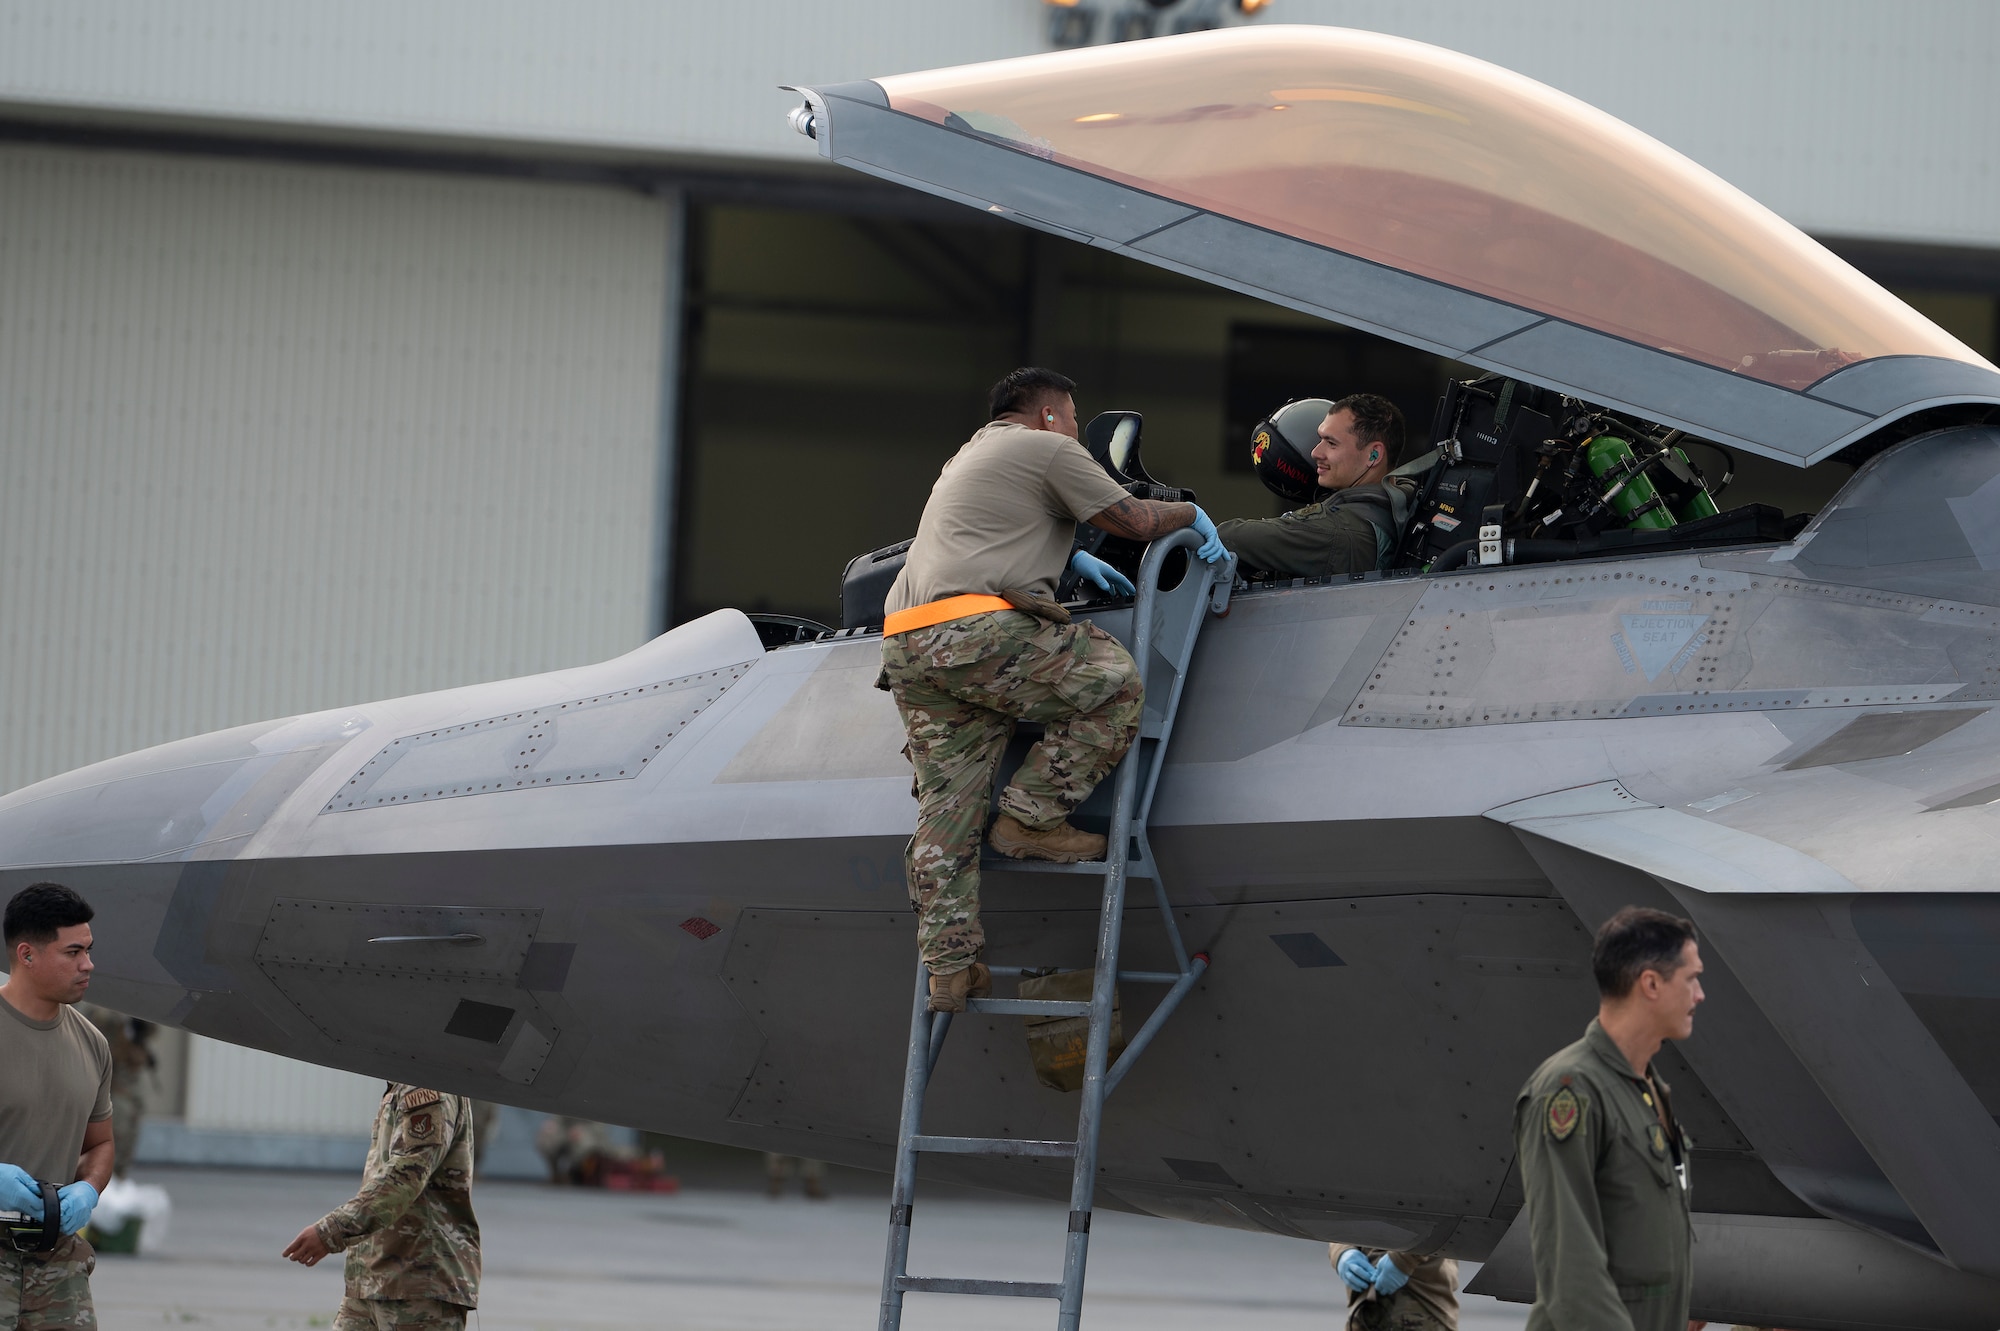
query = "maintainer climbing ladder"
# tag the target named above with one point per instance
(1164, 625)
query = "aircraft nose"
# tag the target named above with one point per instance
(167, 802)
(126, 833)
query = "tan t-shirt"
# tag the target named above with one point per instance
(1003, 516)
(55, 1078)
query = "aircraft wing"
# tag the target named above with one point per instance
(1829, 1002)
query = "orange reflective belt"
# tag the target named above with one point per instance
(943, 611)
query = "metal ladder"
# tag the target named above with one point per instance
(1163, 626)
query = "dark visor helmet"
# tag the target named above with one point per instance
(1281, 448)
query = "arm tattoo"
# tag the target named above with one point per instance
(1143, 519)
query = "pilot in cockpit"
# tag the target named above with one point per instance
(1336, 459)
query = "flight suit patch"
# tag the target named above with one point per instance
(1563, 1114)
(421, 1125)
(1659, 1140)
(417, 1098)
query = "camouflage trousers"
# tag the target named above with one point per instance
(397, 1314)
(43, 1291)
(960, 687)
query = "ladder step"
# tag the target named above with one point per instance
(1134, 867)
(1028, 1007)
(992, 1146)
(1124, 977)
(1020, 1289)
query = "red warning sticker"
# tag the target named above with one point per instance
(701, 928)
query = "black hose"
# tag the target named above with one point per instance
(1454, 556)
(1520, 550)
(1526, 551)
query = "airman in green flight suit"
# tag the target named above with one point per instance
(1603, 1161)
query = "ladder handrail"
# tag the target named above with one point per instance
(1110, 929)
(1218, 581)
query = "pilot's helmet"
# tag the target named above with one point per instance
(1281, 448)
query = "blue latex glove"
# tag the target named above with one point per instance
(79, 1199)
(1389, 1277)
(1102, 574)
(1356, 1270)
(1212, 547)
(19, 1193)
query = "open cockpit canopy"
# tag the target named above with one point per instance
(1436, 199)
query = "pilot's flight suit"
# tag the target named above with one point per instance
(1350, 531)
(1604, 1165)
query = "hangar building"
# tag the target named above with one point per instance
(358, 350)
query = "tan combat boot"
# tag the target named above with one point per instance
(1064, 844)
(949, 992)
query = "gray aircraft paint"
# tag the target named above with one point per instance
(715, 944)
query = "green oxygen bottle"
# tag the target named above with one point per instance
(1703, 504)
(1636, 501)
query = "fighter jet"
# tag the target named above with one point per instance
(667, 890)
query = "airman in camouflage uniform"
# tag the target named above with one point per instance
(973, 640)
(55, 1110)
(411, 1240)
(131, 1060)
(960, 686)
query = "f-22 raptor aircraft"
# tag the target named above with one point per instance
(667, 891)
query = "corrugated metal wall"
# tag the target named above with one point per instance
(245, 1090)
(279, 438)
(1848, 117)
(682, 76)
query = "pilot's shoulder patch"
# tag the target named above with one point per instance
(417, 1098)
(1564, 1112)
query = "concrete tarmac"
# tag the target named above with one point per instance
(721, 1256)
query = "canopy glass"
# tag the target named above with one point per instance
(1449, 168)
